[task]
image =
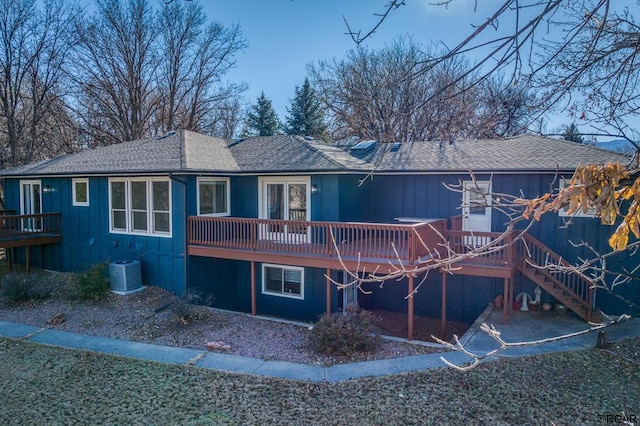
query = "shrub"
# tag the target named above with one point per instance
(93, 283)
(21, 288)
(344, 333)
(187, 309)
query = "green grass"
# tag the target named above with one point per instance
(47, 385)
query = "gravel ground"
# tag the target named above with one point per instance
(156, 316)
(46, 385)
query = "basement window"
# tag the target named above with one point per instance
(284, 281)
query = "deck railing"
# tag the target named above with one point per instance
(349, 239)
(550, 263)
(29, 224)
(497, 248)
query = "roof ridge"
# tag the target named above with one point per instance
(322, 153)
(183, 148)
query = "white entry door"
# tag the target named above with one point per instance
(476, 210)
(31, 203)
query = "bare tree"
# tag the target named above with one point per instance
(579, 56)
(383, 95)
(35, 42)
(227, 119)
(195, 57)
(117, 71)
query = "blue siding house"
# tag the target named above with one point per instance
(268, 225)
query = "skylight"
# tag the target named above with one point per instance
(364, 146)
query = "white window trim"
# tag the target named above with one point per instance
(128, 211)
(285, 180)
(563, 212)
(282, 294)
(30, 182)
(73, 189)
(227, 211)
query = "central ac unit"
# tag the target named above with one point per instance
(125, 277)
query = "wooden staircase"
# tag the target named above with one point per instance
(553, 274)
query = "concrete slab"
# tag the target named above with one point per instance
(291, 370)
(167, 354)
(429, 361)
(340, 372)
(17, 331)
(90, 343)
(534, 326)
(226, 362)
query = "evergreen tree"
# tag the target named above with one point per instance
(262, 119)
(571, 133)
(306, 115)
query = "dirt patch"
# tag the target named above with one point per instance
(395, 324)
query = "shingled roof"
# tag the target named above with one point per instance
(519, 153)
(174, 152)
(285, 153)
(187, 151)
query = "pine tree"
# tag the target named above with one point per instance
(571, 133)
(262, 119)
(306, 115)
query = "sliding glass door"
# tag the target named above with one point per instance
(285, 199)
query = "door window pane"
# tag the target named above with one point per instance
(275, 201)
(297, 201)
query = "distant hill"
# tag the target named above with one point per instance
(617, 145)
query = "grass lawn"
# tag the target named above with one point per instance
(47, 385)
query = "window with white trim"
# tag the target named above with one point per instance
(140, 206)
(213, 197)
(284, 281)
(564, 212)
(80, 192)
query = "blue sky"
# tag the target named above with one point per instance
(285, 35)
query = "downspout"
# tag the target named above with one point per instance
(186, 230)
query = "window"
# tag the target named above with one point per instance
(213, 197)
(80, 192)
(140, 206)
(285, 281)
(564, 212)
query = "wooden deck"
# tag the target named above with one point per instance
(333, 245)
(383, 248)
(27, 231)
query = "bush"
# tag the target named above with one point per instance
(187, 309)
(93, 283)
(345, 333)
(21, 288)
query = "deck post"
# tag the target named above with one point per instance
(328, 291)
(253, 288)
(506, 301)
(443, 323)
(410, 309)
(511, 296)
(27, 248)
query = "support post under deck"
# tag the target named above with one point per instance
(328, 291)
(443, 323)
(253, 288)
(410, 309)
